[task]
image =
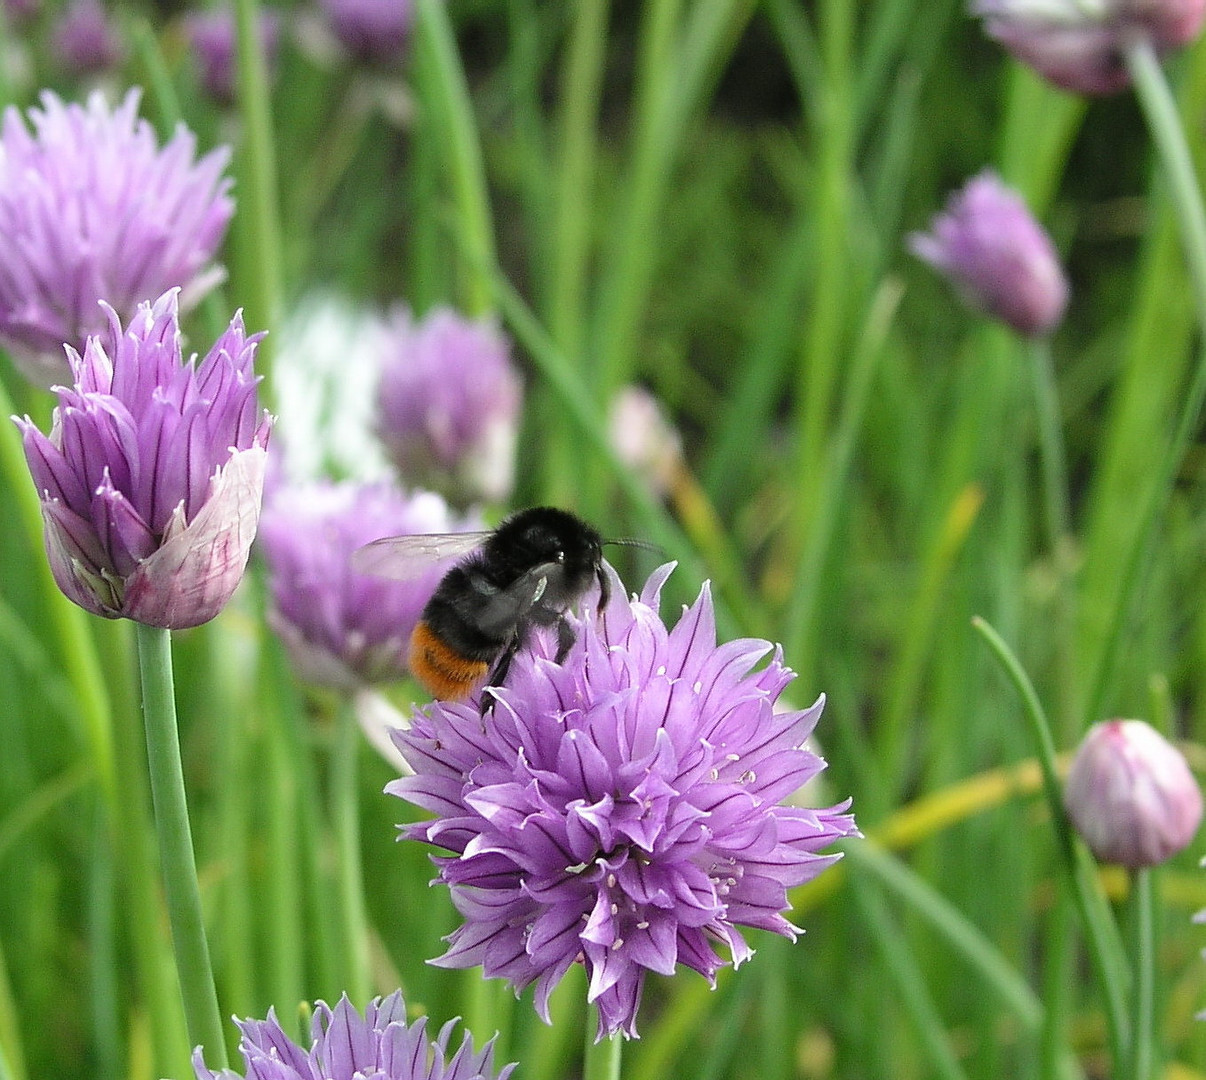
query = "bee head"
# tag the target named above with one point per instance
(547, 535)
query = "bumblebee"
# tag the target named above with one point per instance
(528, 572)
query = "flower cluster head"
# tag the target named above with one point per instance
(380, 1045)
(449, 404)
(20, 13)
(1079, 44)
(91, 209)
(621, 809)
(345, 629)
(152, 473)
(85, 41)
(372, 31)
(213, 38)
(1130, 794)
(998, 257)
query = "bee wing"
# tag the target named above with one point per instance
(405, 558)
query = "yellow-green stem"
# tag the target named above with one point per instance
(177, 862)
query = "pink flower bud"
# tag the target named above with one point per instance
(1131, 795)
(151, 476)
(999, 258)
(644, 439)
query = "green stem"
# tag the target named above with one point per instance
(176, 845)
(574, 183)
(12, 1054)
(800, 633)
(1058, 523)
(440, 81)
(345, 812)
(77, 647)
(103, 976)
(908, 984)
(1058, 952)
(573, 216)
(483, 1006)
(1168, 132)
(1166, 128)
(1099, 927)
(824, 332)
(134, 836)
(262, 285)
(1143, 948)
(602, 1059)
(681, 48)
(1052, 458)
(117, 774)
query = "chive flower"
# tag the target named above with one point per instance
(213, 38)
(371, 31)
(92, 209)
(84, 41)
(1078, 45)
(151, 476)
(344, 629)
(1131, 795)
(622, 809)
(448, 405)
(987, 243)
(345, 1045)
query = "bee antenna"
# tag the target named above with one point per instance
(628, 541)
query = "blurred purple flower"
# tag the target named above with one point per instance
(21, 13)
(448, 407)
(85, 40)
(344, 629)
(214, 41)
(92, 209)
(380, 1045)
(1078, 44)
(621, 809)
(372, 31)
(152, 473)
(998, 257)
(1130, 794)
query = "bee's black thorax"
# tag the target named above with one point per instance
(532, 568)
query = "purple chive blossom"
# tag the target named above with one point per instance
(998, 257)
(21, 12)
(91, 209)
(449, 405)
(214, 41)
(344, 629)
(372, 31)
(85, 41)
(1131, 795)
(152, 473)
(1078, 45)
(380, 1045)
(622, 809)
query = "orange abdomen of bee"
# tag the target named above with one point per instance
(444, 673)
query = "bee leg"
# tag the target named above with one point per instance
(499, 674)
(604, 588)
(565, 639)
